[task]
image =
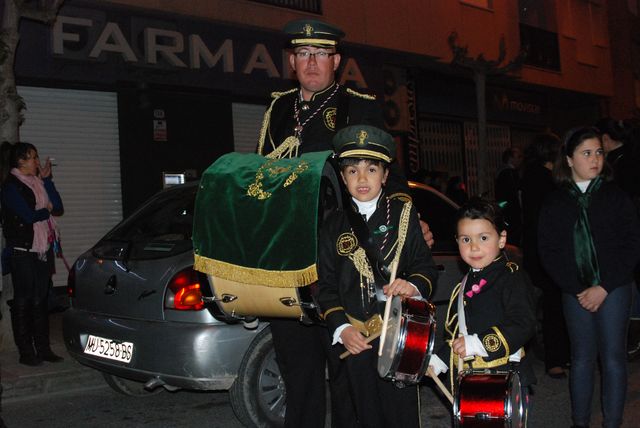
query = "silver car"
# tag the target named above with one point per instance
(143, 317)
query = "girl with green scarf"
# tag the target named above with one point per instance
(589, 243)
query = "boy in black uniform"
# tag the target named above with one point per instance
(351, 286)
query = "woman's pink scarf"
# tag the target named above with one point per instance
(41, 229)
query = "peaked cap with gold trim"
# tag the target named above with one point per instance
(364, 142)
(311, 32)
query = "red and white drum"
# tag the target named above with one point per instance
(409, 342)
(488, 399)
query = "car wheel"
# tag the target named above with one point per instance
(258, 395)
(129, 387)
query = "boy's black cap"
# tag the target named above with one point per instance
(364, 142)
(311, 32)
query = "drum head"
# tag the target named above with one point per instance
(392, 340)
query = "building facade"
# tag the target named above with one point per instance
(180, 83)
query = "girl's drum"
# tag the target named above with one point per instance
(409, 341)
(488, 399)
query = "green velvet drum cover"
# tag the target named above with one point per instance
(256, 218)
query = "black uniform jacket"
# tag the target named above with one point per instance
(501, 313)
(325, 114)
(615, 229)
(345, 107)
(340, 291)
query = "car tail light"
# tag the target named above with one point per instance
(71, 282)
(184, 292)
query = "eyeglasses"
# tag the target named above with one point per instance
(318, 55)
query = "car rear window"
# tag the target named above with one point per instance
(161, 228)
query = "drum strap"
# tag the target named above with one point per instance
(462, 323)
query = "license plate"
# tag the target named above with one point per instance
(107, 348)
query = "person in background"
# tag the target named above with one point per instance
(497, 297)
(347, 284)
(29, 202)
(507, 192)
(537, 183)
(618, 144)
(589, 243)
(302, 120)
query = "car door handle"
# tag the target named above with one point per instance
(111, 286)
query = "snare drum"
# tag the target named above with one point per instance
(488, 399)
(409, 341)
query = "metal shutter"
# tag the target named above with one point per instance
(247, 121)
(80, 130)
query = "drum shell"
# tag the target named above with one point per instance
(413, 343)
(488, 399)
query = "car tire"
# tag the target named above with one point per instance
(258, 395)
(129, 387)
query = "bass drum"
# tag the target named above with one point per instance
(488, 399)
(244, 301)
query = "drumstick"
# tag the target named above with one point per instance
(387, 309)
(345, 354)
(439, 384)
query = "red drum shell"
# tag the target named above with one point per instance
(407, 349)
(488, 399)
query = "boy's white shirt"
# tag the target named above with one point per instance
(367, 209)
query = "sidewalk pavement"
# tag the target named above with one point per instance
(21, 382)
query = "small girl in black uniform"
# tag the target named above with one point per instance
(499, 310)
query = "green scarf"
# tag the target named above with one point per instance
(585, 251)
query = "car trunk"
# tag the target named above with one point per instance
(131, 289)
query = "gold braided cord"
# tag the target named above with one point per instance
(246, 275)
(361, 95)
(449, 319)
(361, 263)
(427, 280)
(402, 230)
(267, 118)
(288, 149)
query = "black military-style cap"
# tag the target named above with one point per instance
(364, 142)
(311, 32)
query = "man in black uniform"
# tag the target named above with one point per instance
(298, 121)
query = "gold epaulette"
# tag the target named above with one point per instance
(361, 95)
(512, 266)
(281, 93)
(404, 197)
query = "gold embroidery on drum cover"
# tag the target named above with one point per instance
(346, 243)
(329, 116)
(491, 342)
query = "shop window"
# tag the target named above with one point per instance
(313, 6)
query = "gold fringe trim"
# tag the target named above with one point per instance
(361, 95)
(246, 275)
